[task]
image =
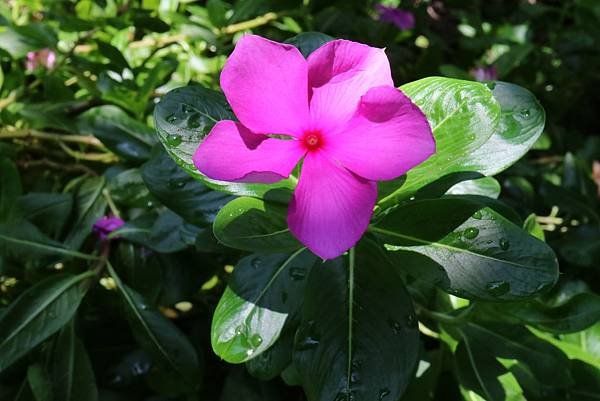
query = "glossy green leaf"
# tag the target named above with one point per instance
(475, 129)
(183, 118)
(484, 186)
(584, 345)
(358, 337)
(275, 360)
(169, 348)
(177, 190)
(128, 188)
(264, 291)
(37, 314)
(23, 240)
(89, 206)
(165, 234)
(463, 116)
(576, 314)
(254, 225)
(533, 227)
(39, 382)
(73, 376)
(120, 133)
(477, 252)
(308, 42)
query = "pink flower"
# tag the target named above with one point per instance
(343, 116)
(401, 18)
(40, 58)
(484, 73)
(106, 225)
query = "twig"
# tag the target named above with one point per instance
(74, 168)
(253, 23)
(9, 133)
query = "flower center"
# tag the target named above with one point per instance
(312, 140)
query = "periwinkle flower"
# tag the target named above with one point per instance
(343, 117)
(41, 58)
(403, 19)
(106, 225)
(483, 74)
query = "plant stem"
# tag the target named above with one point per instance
(10, 133)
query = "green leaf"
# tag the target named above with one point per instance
(488, 342)
(183, 117)
(73, 376)
(463, 116)
(39, 382)
(23, 240)
(484, 186)
(169, 348)
(10, 188)
(521, 124)
(264, 291)
(114, 55)
(275, 360)
(475, 129)
(576, 314)
(37, 314)
(477, 252)
(128, 188)
(120, 133)
(308, 42)
(584, 345)
(254, 225)
(90, 205)
(165, 234)
(358, 338)
(177, 190)
(19, 40)
(49, 211)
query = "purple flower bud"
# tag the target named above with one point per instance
(401, 18)
(107, 224)
(482, 74)
(41, 58)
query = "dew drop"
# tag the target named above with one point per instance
(497, 288)
(491, 85)
(194, 121)
(396, 326)
(249, 352)
(354, 377)
(524, 113)
(255, 341)
(239, 331)
(411, 320)
(471, 233)
(504, 244)
(307, 343)
(144, 307)
(356, 364)
(297, 273)
(186, 108)
(255, 263)
(176, 183)
(171, 118)
(173, 140)
(477, 215)
(384, 392)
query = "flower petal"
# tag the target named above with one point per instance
(331, 207)
(339, 73)
(265, 83)
(388, 136)
(231, 152)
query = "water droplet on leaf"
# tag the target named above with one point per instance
(497, 288)
(255, 263)
(395, 325)
(471, 233)
(297, 273)
(477, 215)
(524, 113)
(504, 244)
(171, 118)
(411, 320)
(256, 340)
(173, 140)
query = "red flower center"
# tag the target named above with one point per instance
(312, 140)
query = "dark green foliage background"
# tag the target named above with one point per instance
(82, 320)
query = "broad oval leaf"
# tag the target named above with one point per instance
(37, 314)
(463, 116)
(183, 117)
(170, 349)
(264, 291)
(468, 249)
(177, 190)
(73, 376)
(358, 337)
(254, 225)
